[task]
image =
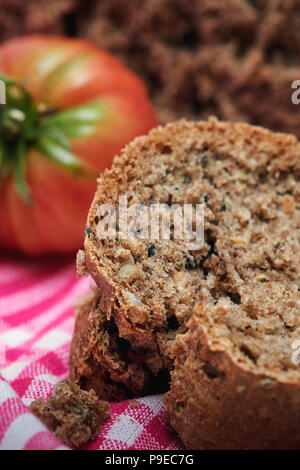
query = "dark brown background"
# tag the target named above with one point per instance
(232, 58)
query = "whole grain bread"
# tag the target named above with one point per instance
(245, 276)
(75, 416)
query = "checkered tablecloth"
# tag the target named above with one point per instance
(36, 324)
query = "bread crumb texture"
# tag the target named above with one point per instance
(73, 415)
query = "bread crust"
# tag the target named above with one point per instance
(216, 402)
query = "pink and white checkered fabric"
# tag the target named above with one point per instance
(36, 324)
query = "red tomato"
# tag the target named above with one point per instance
(67, 92)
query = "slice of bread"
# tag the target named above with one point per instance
(248, 180)
(241, 287)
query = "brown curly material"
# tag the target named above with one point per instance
(235, 59)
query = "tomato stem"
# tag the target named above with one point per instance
(24, 125)
(48, 112)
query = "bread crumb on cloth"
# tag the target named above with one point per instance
(75, 416)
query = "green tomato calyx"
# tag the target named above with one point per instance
(23, 125)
